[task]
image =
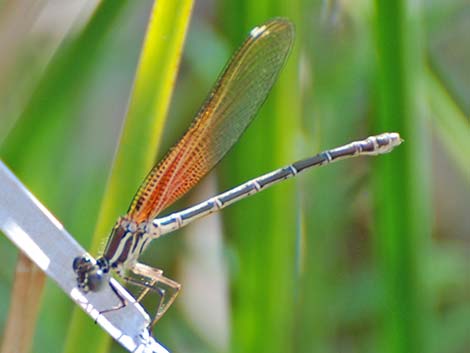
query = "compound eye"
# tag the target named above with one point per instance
(79, 262)
(95, 280)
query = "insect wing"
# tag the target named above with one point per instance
(230, 107)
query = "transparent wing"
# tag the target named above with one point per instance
(232, 104)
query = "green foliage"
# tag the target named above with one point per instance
(402, 184)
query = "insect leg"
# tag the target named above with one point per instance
(117, 307)
(152, 279)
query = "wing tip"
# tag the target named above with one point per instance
(274, 24)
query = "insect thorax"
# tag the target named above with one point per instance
(125, 244)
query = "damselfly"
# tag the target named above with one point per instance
(232, 104)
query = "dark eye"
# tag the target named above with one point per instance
(95, 280)
(79, 262)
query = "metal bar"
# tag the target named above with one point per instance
(373, 145)
(35, 231)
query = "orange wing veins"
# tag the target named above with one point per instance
(232, 104)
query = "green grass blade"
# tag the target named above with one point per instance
(402, 190)
(148, 108)
(140, 138)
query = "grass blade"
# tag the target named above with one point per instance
(402, 190)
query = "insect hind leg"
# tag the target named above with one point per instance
(152, 279)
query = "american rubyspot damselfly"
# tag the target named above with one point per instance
(232, 104)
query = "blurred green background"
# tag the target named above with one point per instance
(368, 255)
